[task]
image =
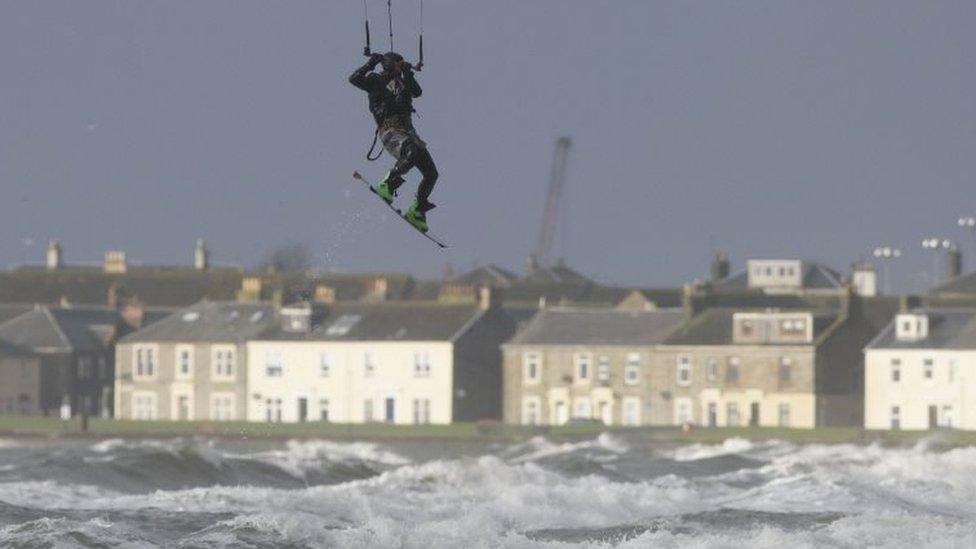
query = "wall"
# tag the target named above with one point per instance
(348, 385)
(914, 394)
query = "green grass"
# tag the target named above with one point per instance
(53, 427)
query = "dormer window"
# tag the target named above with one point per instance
(911, 327)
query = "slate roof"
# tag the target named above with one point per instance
(209, 321)
(560, 274)
(948, 329)
(11, 310)
(577, 326)
(404, 321)
(61, 329)
(490, 274)
(816, 276)
(714, 327)
(964, 284)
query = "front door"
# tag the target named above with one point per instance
(183, 408)
(303, 409)
(606, 413)
(712, 414)
(562, 412)
(933, 417)
(390, 408)
(754, 415)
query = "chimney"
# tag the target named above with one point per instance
(325, 294)
(251, 288)
(133, 313)
(201, 256)
(687, 302)
(721, 266)
(115, 262)
(489, 297)
(864, 278)
(54, 260)
(953, 262)
(379, 290)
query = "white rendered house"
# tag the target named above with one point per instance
(395, 363)
(920, 372)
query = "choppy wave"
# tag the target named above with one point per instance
(608, 491)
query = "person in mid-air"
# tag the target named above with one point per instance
(391, 94)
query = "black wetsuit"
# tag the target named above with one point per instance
(391, 103)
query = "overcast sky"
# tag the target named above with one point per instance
(767, 129)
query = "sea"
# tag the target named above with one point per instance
(611, 490)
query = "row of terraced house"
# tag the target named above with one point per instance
(783, 343)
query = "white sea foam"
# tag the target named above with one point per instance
(870, 495)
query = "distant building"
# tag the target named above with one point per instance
(190, 365)
(920, 371)
(783, 276)
(401, 363)
(65, 358)
(586, 364)
(798, 367)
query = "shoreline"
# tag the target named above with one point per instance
(102, 429)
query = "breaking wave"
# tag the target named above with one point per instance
(612, 490)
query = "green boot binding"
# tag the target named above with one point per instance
(417, 215)
(387, 187)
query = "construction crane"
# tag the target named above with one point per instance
(550, 215)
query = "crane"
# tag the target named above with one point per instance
(550, 214)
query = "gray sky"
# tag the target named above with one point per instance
(773, 128)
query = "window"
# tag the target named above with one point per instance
(367, 410)
(603, 369)
(530, 410)
(273, 364)
(531, 367)
(927, 367)
(952, 371)
(631, 411)
(748, 327)
(793, 327)
(144, 405)
(682, 411)
(272, 410)
(632, 370)
(368, 365)
(684, 370)
(785, 370)
(145, 363)
(784, 415)
(85, 367)
(325, 364)
(711, 369)
(102, 368)
(421, 364)
(895, 417)
(222, 407)
(223, 363)
(421, 410)
(582, 409)
(732, 418)
(184, 362)
(895, 370)
(583, 365)
(732, 370)
(323, 409)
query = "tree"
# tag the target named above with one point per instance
(287, 258)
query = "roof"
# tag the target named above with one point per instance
(714, 326)
(209, 321)
(11, 310)
(560, 274)
(577, 326)
(404, 321)
(61, 329)
(816, 276)
(490, 274)
(965, 284)
(948, 329)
